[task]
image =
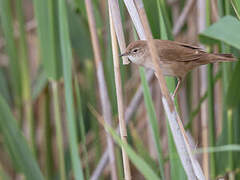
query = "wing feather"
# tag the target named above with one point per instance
(176, 51)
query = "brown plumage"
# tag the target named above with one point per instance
(176, 59)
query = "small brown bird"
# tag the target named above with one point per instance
(176, 59)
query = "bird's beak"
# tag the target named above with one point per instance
(125, 60)
(123, 54)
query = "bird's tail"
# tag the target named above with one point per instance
(216, 57)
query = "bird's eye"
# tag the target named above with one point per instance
(135, 50)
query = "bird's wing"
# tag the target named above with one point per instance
(176, 51)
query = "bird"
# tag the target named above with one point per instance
(175, 58)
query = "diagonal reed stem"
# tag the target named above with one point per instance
(183, 16)
(105, 103)
(118, 83)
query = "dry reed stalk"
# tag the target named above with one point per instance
(189, 162)
(175, 11)
(191, 36)
(150, 137)
(105, 103)
(214, 9)
(114, 8)
(183, 103)
(133, 105)
(118, 83)
(182, 18)
(195, 100)
(204, 121)
(203, 89)
(133, 12)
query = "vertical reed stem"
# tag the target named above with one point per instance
(203, 77)
(81, 126)
(44, 116)
(114, 8)
(123, 130)
(58, 130)
(105, 102)
(211, 116)
(24, 73)
(227, 68)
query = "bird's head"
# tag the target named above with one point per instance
(136, 52)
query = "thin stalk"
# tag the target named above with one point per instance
(119, 163)
(118, 82)
(177, 173)
(227, 69)
(230, 141)
(203, 88)
(211, 122)
(59, 129)
(183, 16)
(114, 8)
(82, 126)
(105, 102)
(91, 96)
(67, 73)
(45, 117)
(153, 121)
(211, 116)
(24, 73)
(195, 111)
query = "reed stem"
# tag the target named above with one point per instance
(59, 129)
(118, 83)
(105, 102)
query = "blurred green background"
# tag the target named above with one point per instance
(49, 91)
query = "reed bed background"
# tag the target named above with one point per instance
(64, 92)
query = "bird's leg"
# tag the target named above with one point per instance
(178, 85)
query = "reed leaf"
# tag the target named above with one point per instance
(79, 35)
(39, 84)
(4, 89)
(236, 7)
(139, 163)
(46, 16)
(225, 30)
(7, 27)
(16, 144)
(153, 121)
(67, 73)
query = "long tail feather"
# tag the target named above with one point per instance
(223, 57)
